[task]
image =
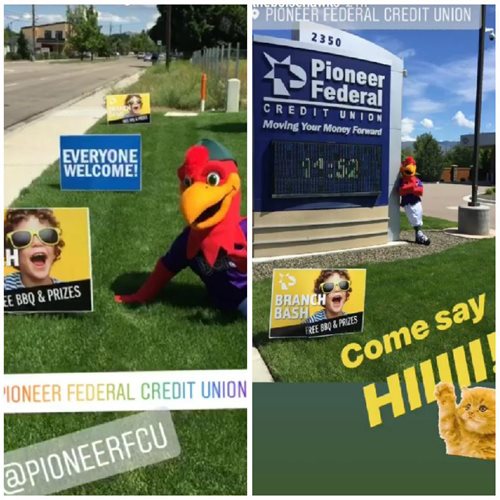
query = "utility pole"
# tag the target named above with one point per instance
(168, 35)
(68, 17)
(33, 31)
(477, 118)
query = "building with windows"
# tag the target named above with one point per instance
(48, 37)
(487, 143)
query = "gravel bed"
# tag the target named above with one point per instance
(440, 241)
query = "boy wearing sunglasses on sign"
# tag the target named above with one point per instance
(336, 286)
(36, 235)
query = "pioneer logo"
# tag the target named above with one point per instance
(285, 75)
(328, 82)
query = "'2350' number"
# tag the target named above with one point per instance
(330, 40)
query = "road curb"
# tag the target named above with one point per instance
(486, 201)
(260, 371)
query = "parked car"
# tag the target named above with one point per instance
(148, 56)
(140, 55)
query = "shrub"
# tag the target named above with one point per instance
(12, 56)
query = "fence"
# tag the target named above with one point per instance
(220, 64)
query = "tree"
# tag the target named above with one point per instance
(405, 152)
(429, 157)
(8, 34)
(486, 164)
(197, 26)
(85, 33)
(120, 43)
(103, 46)
(10, 39)
(459, 155)
(141, 42)
(22, 46)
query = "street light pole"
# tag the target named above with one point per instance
(477, 118)
(33, 31)
(474, 218)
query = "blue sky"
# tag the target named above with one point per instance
(133, 18)
(439, 93)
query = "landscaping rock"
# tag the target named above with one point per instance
(440, 241)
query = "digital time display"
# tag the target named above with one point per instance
(319, 169)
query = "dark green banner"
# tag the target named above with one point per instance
(315, 439)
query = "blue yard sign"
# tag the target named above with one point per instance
(100, 162)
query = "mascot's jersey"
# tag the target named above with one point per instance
(226, 285)
(410, 188)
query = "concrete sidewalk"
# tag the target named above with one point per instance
(260, 371)
(31, 147)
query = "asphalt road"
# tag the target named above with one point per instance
(442, 200)
(31, 88)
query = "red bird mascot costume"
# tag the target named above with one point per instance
(214, 243)
(411, 190)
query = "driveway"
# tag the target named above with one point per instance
(442, 200)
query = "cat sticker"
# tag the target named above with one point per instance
(468, 429)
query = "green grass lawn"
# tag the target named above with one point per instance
(428, 223)
(129, 232)
(397, 294)
(212, 459)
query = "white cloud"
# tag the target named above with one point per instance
(107, 17)
(427, 123)
(405, 54)
(424, 105)
(407, 127)
(390, 43)
(40, 18)
(152, 20)
(18, 17)
(457, 78)
(413, 87)
(461, 120)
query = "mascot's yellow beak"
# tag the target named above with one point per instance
(204, 205)
(408, 170)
